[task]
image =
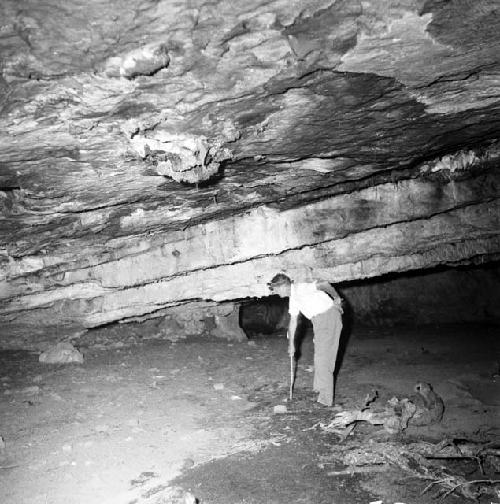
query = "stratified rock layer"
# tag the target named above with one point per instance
(154, 154)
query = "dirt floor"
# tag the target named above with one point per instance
(193, 420)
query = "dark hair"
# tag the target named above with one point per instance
(279, 279)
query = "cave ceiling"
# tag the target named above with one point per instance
(127, 122)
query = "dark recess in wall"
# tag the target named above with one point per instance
(444, 295)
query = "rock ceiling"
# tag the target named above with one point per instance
(159, 152)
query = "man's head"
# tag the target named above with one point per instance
(280, 285)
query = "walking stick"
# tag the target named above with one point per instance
(291, 351)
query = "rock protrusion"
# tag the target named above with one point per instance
(145, 60)
(62, 353)
(185, 158)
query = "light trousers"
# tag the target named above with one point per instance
(327, 327)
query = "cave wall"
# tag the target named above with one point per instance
(444, 296)
(155, 154)
(440, 217)
(449, 296)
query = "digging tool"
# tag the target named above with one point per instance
(291, 351)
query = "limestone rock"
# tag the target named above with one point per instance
(183, 158)
(62, 353)
(429, 405)
(227, 326)
(162, 154)
(145, 60)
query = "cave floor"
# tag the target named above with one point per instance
(148, 423)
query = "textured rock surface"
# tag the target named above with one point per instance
(158, 153)
(450, 296)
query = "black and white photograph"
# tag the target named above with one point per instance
(249, 251)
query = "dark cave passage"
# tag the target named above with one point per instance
(444, 295)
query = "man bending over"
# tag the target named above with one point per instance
(321, 304)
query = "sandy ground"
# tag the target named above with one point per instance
(150, 422)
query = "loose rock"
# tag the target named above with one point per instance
(62, 353)
(280, 409)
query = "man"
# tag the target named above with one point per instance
(321, 304)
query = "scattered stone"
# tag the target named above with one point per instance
(66, 448)
(280, 409)
(62, 353)
(218, 386)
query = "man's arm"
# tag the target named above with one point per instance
(330, 290)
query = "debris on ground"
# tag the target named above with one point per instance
(422, 460)
(62, 353)
(456, 449)
(418, 460)
(424, 409)
(161, 431)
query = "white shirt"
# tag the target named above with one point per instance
(307, 299)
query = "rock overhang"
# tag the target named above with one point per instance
(271, 106)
